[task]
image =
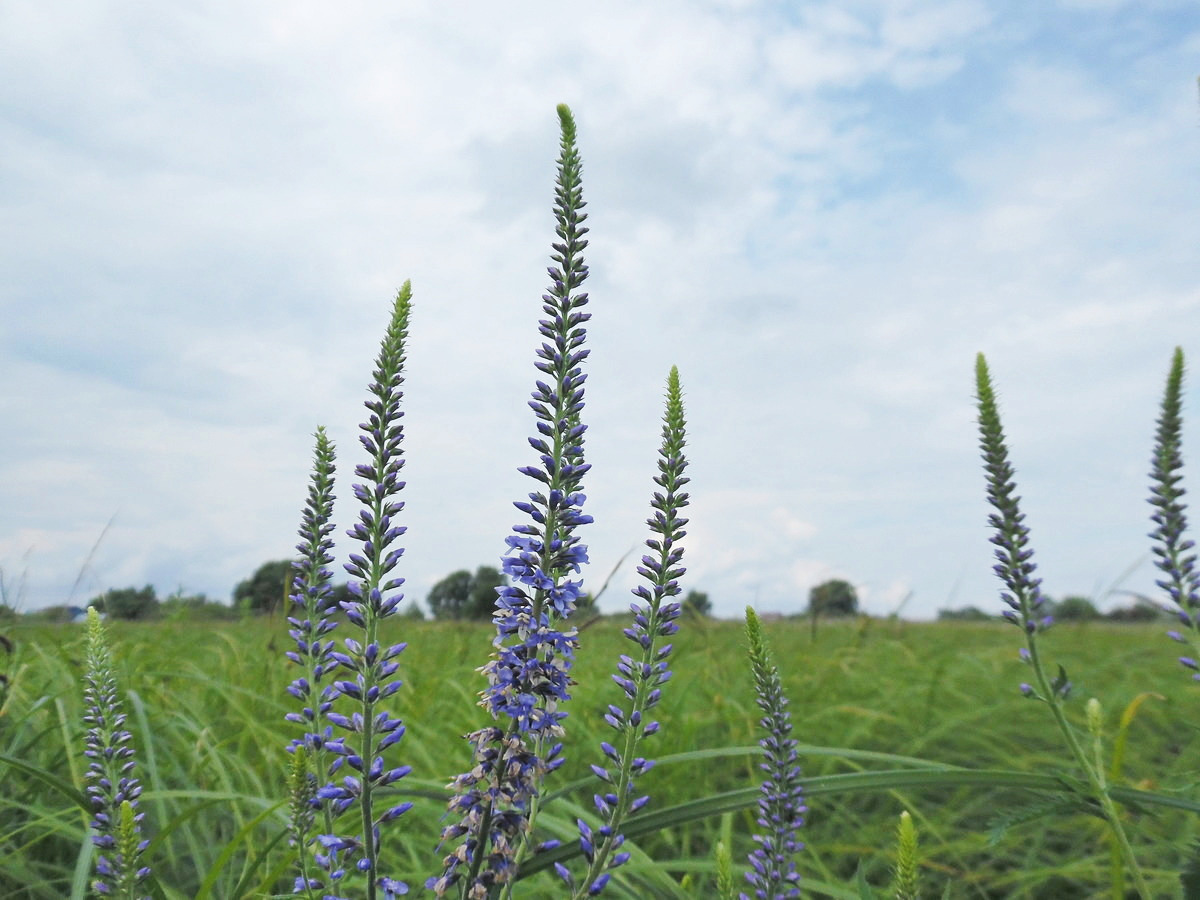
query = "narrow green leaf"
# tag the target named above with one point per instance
(230, 848)
(61, 785)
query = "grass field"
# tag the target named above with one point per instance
(206, 705)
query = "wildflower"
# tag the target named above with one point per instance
(369, 667)
(1015, 567)
(1024, 598)
(113, 789)
(528, 673)
(1171, 549)
(904, 878)
(641, 678)
(310, 601)
(309, 623)
(781, 807)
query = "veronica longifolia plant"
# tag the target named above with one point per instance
(1023, 596)
(528, 674)
(653, 618)
(113, 789)
(781, 806)
(368, 669)
(309, 623)
(1171, 548)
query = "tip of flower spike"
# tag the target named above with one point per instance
(566, 120)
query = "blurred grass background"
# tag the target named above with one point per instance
(206, 703)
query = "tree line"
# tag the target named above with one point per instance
(469, 596)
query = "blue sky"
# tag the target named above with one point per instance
(819, 211)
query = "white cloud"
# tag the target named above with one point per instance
(827, 216)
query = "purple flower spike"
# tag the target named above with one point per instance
(654, 619)
(310, 599)
(529, 671)
(113, 789)
(1171, 548)
(1015, 568)
(366, 670)
(781, 807)
(1022, 591)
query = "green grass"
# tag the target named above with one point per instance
(206, 704)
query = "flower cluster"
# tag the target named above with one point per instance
(1015, 567)
(367, 668)
(1171, 549)
(310, 599)
(781, 807)
(528, 673)
(640, 678)
(1023, 595)
(113, 789)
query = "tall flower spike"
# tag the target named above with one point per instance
(1171, 548)
(640, 676)
(1015, 567)
(781, 807)
(309, 623)
(370, 670)
(113, 789)
(1023, 596)
(497, 801)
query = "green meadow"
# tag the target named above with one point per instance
(206, 704)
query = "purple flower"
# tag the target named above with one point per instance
(640, 675)
(528, 673)
(113, 789)
(1022, 591)
(781, 807)
(367, 667)
(1171, 549)
(310, 599)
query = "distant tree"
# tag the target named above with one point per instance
(413, 611)
(833, 598)
(697, 602)
(966, 614)
(1141, 612)
(483, 592)
(127, 603)
(266, 589)
(1074, 609)
(461, 595)
(195, 606)
(585, 608)
(450, 597)
(56, 614)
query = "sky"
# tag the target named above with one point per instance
(820, 211)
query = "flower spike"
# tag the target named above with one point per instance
(496, 802)
(369, 669)
(781, 807)
(1022, 593)
(1171, 548)
(113, 788)
(640, 676)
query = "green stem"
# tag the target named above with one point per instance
(1095, 779)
